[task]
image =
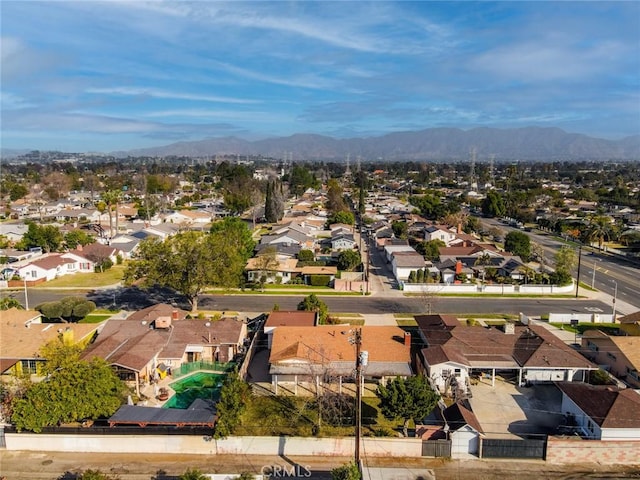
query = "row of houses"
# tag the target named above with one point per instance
(305, 358)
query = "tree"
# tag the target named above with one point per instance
(349, 260)
(59, 353)
(342, 217)
(566, 259)
(274, 201)
(237, 233)
(306, 256)
(335, 200)
(519, 244)
(493, 204)
(189, 262)
(266, 263)
(47, 237)
(599, 228)
(408, 399)
(77, 237)
(78, 391)
(9, 302)
(348, 471)
(311, 303)
(193, 474)
(233, 400)
(400, 229)
(96, 475)
(430, 250)
(112, 200)
(68, 309)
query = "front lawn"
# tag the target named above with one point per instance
(86, 280)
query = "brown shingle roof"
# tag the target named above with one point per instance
(296, 318)
(151, 313)
(631, 318)
(607, 406)
(531, 346)
(460, 414)
(19, 342)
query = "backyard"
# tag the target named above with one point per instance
(298, 416)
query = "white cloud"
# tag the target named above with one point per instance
(158, 93)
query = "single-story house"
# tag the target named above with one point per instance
(343, 241)
(404, 262)
(286, 269)
(288, 318)
(22, 335)
(326, 354)
(601, 412)
(55, 265)
(158, 339)
(528, 353)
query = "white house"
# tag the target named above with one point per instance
(404, 262)
(54, 266)
(601, 412)
(439, 232)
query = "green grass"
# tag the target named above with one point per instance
(96, 318)
(297, 416)
(86, 280)
(608, 328)
(404, 315)
(406, 322)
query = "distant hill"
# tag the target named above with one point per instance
(530, 143)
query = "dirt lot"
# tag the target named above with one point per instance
(50, 466)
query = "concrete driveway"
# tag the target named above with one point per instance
(507, 411)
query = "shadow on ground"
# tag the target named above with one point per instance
(135, 298)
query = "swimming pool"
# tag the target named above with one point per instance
(199, 385)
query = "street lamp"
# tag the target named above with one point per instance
(593, 276)
(615, 294)
(26, 298)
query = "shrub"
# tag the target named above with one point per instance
(320, 280)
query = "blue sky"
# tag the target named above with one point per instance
(106, 76)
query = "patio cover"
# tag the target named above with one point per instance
(143, 416)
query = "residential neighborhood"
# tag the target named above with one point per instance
(177, 360)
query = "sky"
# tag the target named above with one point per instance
(88, 76)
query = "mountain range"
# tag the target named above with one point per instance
(529, 143)
(433, 144)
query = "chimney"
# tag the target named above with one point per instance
(458, 267)
(509, 328)
(174, 315)
(459, 228)
(79, 247)
(407, 339)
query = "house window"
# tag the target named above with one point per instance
(592, 346)
(446, 372)
(29, 366)
(456, 372)
(633, 373)
(34, 274)
(611, 356)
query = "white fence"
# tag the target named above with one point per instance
(193, 444)
(580, 317)
(501, 289)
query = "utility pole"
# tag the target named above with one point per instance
(615, 294)
(358, 341)
(362, 358)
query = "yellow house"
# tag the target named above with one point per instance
(630, 324)
(22, 335)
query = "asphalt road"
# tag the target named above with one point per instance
(131, 299)
(613, 275)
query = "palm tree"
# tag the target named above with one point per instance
(599, 228)
(112, 199)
